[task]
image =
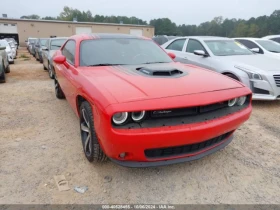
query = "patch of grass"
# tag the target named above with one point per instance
(26, 59)
(24, 56)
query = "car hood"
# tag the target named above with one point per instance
(261, 62)
(126, 84)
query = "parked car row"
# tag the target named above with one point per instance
(254, 62)
(43, 49)
(8, 52)
(139, 108)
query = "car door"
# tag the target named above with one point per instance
(198, 60)
(177, 47)
(45, 53)
(69, 73)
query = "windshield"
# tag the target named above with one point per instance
(3, 43)
(121, 52)
(43, 41)
(31, 41)
(57, 43)
(269, 45)
(227, 48)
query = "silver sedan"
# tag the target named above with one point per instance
(228, 57)
(51, 46)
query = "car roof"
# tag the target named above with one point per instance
(114, 36)
(205, 38)
(248, 38)
(271, 36)
(106, 36)
(54, 38)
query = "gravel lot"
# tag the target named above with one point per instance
(40, 139)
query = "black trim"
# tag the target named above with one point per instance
(184, 149)
(133, 164)
(260, 91)
(183, 116)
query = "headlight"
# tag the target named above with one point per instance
(232, 102)
(251, 74)
(120, 118)
(138, 116)
(241, 101)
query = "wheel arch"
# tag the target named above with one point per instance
(79, 100)
(230, 72)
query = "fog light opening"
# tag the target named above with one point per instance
(122, 155)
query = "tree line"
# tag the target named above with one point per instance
(254, 27)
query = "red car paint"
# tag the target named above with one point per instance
(109, 90)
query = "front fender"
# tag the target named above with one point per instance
(241, 75)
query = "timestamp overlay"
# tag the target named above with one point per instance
(139, 206)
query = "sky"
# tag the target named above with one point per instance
(179, 11)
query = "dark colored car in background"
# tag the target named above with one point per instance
(38, 48)
(31, 46)
(163, 39)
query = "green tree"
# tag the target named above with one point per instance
(35, 17)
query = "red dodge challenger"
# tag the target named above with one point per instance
(139, 108)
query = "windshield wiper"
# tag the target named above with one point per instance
(154, 62)
(56, 46)
(106, 64)
(274, 51)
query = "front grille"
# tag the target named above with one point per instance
(277, 80)
(188, 111)
(185, 149)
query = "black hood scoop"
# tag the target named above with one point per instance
(157, 71)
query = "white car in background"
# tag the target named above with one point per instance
(261, 46)
(231, 58)
(275, 38)
(8, 50)
(14, 49)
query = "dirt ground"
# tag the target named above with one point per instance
(39, 138)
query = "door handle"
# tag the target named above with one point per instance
(185, 58)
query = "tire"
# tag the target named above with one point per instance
(8, 70)
(12, 62)
(51, 72)
(232, 76)
(58, 91)
(3, 76)
(37, 57)
(91, 146)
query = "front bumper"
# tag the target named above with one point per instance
(134, 164)
(135, 142)
(266, 89)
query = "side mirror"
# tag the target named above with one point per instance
(59, 59)
(45, 48)
(172, 55)
(2, 48)
(200, 53)
(255, 50)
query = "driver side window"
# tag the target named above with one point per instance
(194, 45)
(69, 51)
